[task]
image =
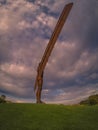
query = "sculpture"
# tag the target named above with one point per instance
(49, 48)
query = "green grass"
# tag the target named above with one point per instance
(48, 117)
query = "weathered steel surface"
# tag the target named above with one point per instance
(49, 48)
(55, 35)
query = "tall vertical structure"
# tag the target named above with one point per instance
(49, 48)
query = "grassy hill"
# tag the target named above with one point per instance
(48, 117)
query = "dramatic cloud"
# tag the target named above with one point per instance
(71, 73)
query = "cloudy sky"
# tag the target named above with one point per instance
(71, 74)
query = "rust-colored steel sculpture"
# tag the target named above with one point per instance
(49, 48)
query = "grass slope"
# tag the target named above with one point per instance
(48, 117)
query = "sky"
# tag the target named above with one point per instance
(71, 74)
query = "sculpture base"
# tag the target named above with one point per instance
(40, 102)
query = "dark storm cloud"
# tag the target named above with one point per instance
(47, 11)
(15, 85)
(3, 2)
(31, 1)
(5, 50)
(82, 24)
